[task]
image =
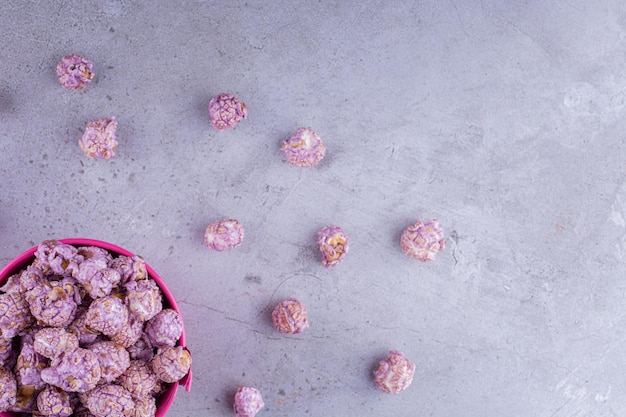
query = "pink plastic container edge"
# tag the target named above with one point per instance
(25, 258)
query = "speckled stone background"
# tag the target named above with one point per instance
(503, 120)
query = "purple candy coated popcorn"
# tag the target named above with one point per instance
(78, 371)
(223, 235)
(170, 364)
(26, 399)
(394, 373)
(165, 328)
(248, 402)
(113, 359)
(54, 402)
(99, 139)
(145, 406)
(15, 314)
(52, 342)
(56, 257)
(142, 349)
(333, 242)
(130, 268)
(53, 303)
(12, 284)
(6, 352)
(290, 317)
(8, 389)
(422, 241)
(130, 333)
(95, 277)
(29, 366)
(144, 299)
(110, 400)
(304, 149)
(107, 315)
(138, 379)
(226, 111)
(79, 327)
(74, 72)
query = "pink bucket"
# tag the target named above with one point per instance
(166, 399)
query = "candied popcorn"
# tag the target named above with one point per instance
(290, 317)
(74, 72)
(165, 328)
(113, 359)
(95, 277)
(226, 111)
(144, 299)
(26, 399)
(99, 139)
(223, 235)
(142, 349)
(138, 379)
(110, 400)
(12, 284)
(333, 242)
(304, 148)
(53, 303)
(76, 371)
(52, 342)
(56, 257)
(6, 352)
(107, 315)
(145, 406)
(248, 402)
(54, 402)
(394, 373)
(130, 333)
(422, 241)
(79, 327)
(8, 389)
(170, 364)
(130, 268)
(29, 366)
(15, 314)
(30, 277)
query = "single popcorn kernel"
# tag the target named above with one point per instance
(223, 235)
(422, 241)
(226, 111)
(333, 242)
(74, 72)
(394, 373)
(290, 317)
(304, 149)
(248, 402)
(99, 139)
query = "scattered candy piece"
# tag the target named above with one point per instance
(394, 373)
(248, 402)
(99, 139)
(226, 111)
(333, 242)
(74, 72)
(289, 316)
(222, 235)
(422, 241)
(304, 149)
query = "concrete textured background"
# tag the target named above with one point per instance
(503, 120)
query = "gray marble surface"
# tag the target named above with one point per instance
(503, 120)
